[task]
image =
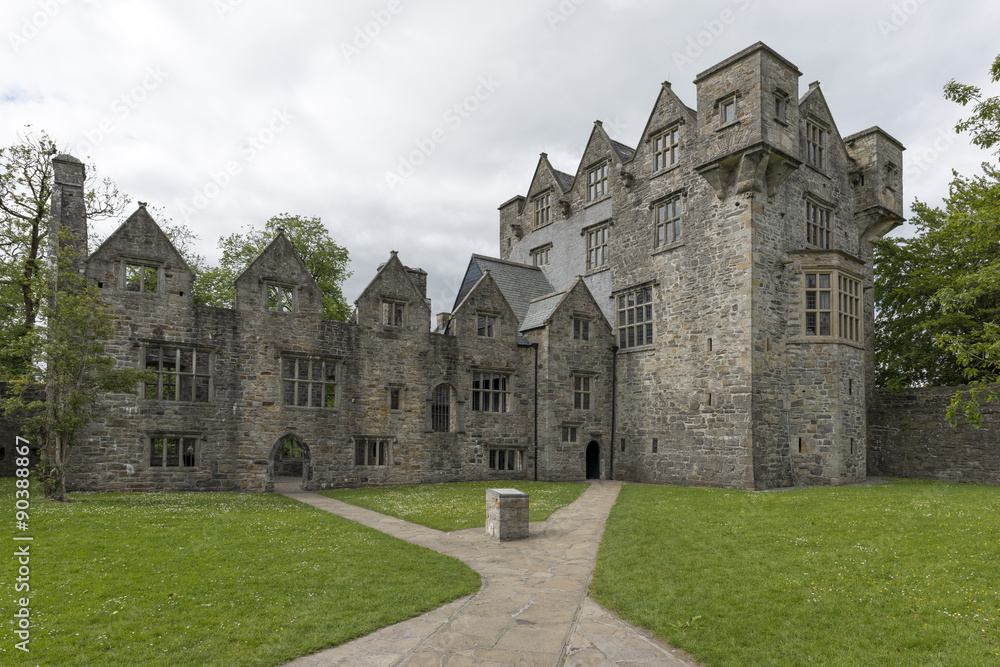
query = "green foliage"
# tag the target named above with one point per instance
(984, 124)
(324, 259)
(66, 367)
(211, 580)
(25, 190)
(455, 506)
(902, 573)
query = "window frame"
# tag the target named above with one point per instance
(144, 267)
(540, 255)
(486, 325)
(310, 383)
(667, 155)
(597, 182)
(583, 389)
(819, 224)
(569, 433)
(597, 237)
(727, 110)
(541, 210)
(844, 305)
(816, 141)
(161, 387)
(393, 313)
(277, 294)
(445, 412)
(493, 396)
(628, 304)
(369, 448)
(581, 328)
(502, 456)
(182, 441)
(667, 218)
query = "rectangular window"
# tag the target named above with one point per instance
(372, 451)
(540, 256)
(597, 248)
(666, 149)
(849, 303)
(635, 318)
(727, 110)
(279, 298)
(143, 278)
(309, 382)
(506, 459)
(667, 220)
(656, 445)
(392, 313)
(569, 434)
(485, 325)
(581, 328)
(167, 451)
(815, 145)
(543, 208)
(490, 392)
(818, 302)
(780, 106)
(394, 394)
(597, 182)
(817, 225)
(180, 375)
(581, 392)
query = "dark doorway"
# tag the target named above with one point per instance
(289, 459)
(593, 460)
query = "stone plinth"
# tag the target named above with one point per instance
(506, 514)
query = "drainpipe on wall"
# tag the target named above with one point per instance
(535, 347)
(614, 403)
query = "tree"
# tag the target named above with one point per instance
(325, 260)
(57, 394)
(25, 192)
(937, 294)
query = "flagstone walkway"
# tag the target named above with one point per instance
(533, 608)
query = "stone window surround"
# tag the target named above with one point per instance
(670, 128)
(309, 382)
(144, 263)
(443, 412)
(816, 261)
(541, 206)
(603, 166)
(487, 323)
(811, 198)
(506, 399)
(389, 315)
(720, 105)
(539, 253)
(681, 196)
(815, 156)
(569, 432)
(183, 440)
(586, 231)
(285, 288)
(458, 405)
(581, 326)
(653, 285)
(584, 388)
(511, 458)
(781, 101)
(399, 390)
(177, 373)
(373, 450)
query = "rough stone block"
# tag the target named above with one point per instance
(506, 514)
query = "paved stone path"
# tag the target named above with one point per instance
(533, 607)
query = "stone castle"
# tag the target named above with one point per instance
(693, 310)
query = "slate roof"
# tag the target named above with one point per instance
(625, 153)
(519, 283)
(540, 309)
(564, 180)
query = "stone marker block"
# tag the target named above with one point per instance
(506, 514)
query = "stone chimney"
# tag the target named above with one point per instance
(68, 210)
(442, 321)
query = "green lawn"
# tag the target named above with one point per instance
(904, 573)
(455, 506)
(206, 579)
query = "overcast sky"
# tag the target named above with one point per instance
(405, 123)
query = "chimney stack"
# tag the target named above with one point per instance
(68, 210)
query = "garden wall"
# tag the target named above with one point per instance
(908, 436)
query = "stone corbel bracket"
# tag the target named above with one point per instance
(757, 169)
(877, 221)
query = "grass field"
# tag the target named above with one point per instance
(450, 507)
(207, 579)
(903, 573)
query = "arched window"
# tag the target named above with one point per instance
(441, 408)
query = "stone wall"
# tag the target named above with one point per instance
(910, 437)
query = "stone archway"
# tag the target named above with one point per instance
(593, 460)
(288, 460)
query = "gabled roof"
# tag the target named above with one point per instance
(394, 263)
(665, 91)
(625, 153)
(541, 309)
(142, 217)
(519, 283)
(814, 91)
(564, 180)
(279, 240)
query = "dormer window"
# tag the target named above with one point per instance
(542, 209)
(666, 148)
(279, 298)
(142, 278)
(392, 313)
(486, 325)
(815, 145)
(597, 182)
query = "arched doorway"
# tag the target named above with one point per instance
(288, 460)
(593, 460)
